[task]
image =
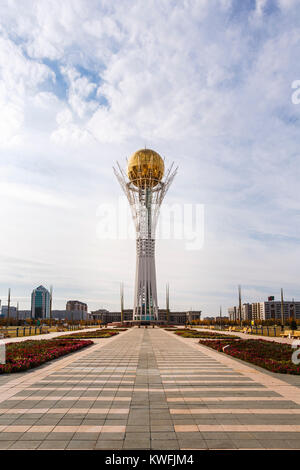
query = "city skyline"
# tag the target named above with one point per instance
(87, 85)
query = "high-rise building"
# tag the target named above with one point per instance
(269, 310)
(40, 303)
(145, 187)
(76, 310)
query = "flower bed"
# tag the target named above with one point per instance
(24, 355)
(103, 333)
(186, 333)
(273, 356)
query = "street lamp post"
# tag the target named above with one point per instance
(282, 311)
(122, 301)
(8, 308)
(240, 306)
(168, 303)
(50, 312)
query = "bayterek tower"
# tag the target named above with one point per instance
(145, 185)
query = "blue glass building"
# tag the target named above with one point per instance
(40, 303)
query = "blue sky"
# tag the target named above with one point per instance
(206, 83)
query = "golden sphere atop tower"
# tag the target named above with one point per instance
(145, 168)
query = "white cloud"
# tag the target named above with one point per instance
(206, 83)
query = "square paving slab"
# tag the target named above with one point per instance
(148, 389)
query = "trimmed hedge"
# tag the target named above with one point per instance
(24, 355)
(273, 356)
(103, 333)
(187, 333)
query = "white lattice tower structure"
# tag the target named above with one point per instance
(145, 198)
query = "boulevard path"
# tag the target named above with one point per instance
(148, 389)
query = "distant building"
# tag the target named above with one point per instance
(271, 310)
(233, 313)
(40, 303)
(76, 310)
(247, 312)
(268, 310)
(110, 317)
(178, 318)
(23, 314)
(73, 305)
(12, 311)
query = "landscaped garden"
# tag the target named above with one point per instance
(102, 333)
(189, 333)
(24, 355)
(273, 356)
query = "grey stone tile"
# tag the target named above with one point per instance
(86, 436)
(294, 443)
(276, 444)
(247, 444)
(162, 428)
(7, 421)
(81, 445)
(189, 435)
(109, 445)
(164, 435)
(4, 445)
(111, 436)
(33, 436)
(165, 445)
(136, 444)
(220, 444)
(25, 422)
(10, 436)
(137, 435)
(70, 422)
(192, 444)
(53, 445)
(56, 436)
(25, 445)
(93, 422)
(275, 436)
(215, 435)
(137, 428)
(116, 422)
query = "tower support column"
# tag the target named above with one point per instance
(145, 296)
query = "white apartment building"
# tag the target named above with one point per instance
(269, 310)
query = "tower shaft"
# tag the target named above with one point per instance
(145, 201)
(145, 295)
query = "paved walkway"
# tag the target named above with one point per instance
(148, 389)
